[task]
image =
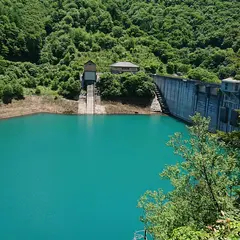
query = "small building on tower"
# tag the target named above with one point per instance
(90, 73)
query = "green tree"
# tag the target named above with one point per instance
(1, 89)
(225, 72)
(17, 91)
(170, 68)
(223, 229)
(92, 24)
(203, 75)
(106, 26)
(70, 89)
(7, 94)
(109, 86)
(117, 32)
(232, 139)
(135, 31)
(203, 184)
(200, 35)
(38, 91)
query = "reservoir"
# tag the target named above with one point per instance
(80, 177)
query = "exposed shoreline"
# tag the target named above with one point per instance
(32, 105)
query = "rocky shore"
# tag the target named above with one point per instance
(47, 104)
(37, 104)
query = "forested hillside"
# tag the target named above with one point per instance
(46, 42)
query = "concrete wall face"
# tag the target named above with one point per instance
(234, 103)
(179, 96)
(185, 98)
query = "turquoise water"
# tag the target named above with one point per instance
(79, 177)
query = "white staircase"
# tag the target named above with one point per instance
(90, 103)
(90, 99)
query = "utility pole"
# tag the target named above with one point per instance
(145, 234)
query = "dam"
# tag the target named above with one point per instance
(184, 97)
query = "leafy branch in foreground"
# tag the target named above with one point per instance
(204, 186)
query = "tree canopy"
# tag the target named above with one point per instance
(197, 39)
(126, 85)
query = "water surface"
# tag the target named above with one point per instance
(79, 177)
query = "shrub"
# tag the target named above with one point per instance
(38, 91)
(126, 85)
(7, 94)
(203, 75)
(17, 91)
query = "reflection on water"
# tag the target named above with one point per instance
(89, 121)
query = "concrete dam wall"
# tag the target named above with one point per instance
(186, 97)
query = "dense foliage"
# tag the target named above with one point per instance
(205, 200)
(198, 39)
(231, 138)
(126, 85)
